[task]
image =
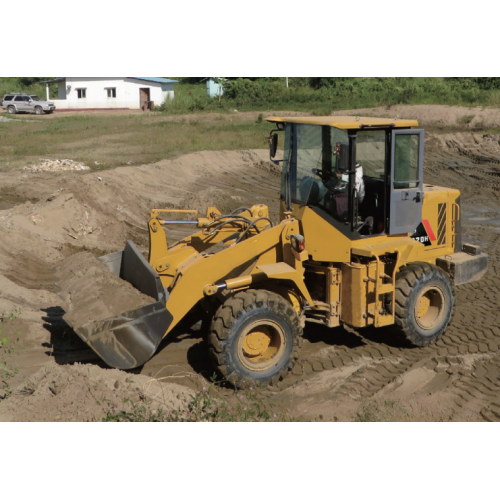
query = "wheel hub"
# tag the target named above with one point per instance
(423, 306)
(430, 308)
(261, 345)
(257, 342)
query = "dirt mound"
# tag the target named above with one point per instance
(101, 211)
(83, 393)
(448, 116)
(66, 213)
(92, 293)
(463, 149)
(212, 197)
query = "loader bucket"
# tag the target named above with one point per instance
(131, 339)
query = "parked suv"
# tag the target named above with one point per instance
(26, 103)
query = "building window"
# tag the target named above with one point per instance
(111, 93)
(82, 93)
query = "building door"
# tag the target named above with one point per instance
(144, 98)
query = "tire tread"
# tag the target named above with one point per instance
(220, 332)
(408, 278)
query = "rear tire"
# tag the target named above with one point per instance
(425, 300)
(11, 110)
(255, 338)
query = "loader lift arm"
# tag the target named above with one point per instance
(180, 277)
(206, 275)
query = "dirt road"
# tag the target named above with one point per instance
(342, 375)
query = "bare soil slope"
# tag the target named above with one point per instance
(51, 218)
(342, 375)
(448, 116)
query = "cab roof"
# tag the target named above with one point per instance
(347, 122)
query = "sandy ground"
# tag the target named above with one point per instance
(342, 375)
(449, 116)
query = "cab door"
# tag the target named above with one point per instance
(407, 181)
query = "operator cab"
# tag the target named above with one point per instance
(362, 175)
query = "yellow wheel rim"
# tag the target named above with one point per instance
(261, 345)
(430, 308)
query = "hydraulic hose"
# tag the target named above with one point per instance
(250, 227)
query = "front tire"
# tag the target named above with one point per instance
(39, 110)
(425, 301)
(255, 338)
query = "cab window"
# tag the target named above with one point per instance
(371, 153)
(371, 158)
(310, 169)
(407, 161)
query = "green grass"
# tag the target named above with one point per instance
(13, 84)
(335, 94)
(113, 140)
(108, 141)
(465, 120)
(381, 411)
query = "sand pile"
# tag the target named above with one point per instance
(212, 197)
(91, 292)
(474, 117)
(83, 393)
(57, 166)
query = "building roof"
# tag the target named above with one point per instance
(347, 122)
(153, 79)
(144, 78)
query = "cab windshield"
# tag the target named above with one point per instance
(310, 174)
(35, 98)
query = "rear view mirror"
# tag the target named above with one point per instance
(342, 152)
(273, 144)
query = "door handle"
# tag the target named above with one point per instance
(418, 197)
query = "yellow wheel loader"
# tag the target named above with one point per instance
(362, 242)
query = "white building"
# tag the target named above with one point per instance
(107, 92)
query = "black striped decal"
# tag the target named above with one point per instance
(442, 224)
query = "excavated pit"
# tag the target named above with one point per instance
(84, 214)
(10, 198)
